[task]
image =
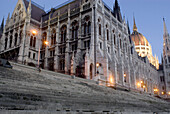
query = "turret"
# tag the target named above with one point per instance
(2, 26)
(8, 19)
(29, 8)
(116, 11)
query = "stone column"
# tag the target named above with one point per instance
(56, 58)
(22, 48)
(67, 58)
(46, 49)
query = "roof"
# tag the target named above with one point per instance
(37, 11)
(139, 39)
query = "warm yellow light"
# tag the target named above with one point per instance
(124, 75)
(34, 32)
(163, 93)
(156, 90)
(141, 82)
(138, 84)
(46, 42)
(144, 86)
(97, 65)
(168, 93)
(111, 79)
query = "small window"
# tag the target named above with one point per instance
(108, 49)
(34, 56)
(29, 54)
(100, 45)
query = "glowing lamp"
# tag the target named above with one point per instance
(34, 32)
(97, 65)
(46, 42)
(163, 93)
(138, 84)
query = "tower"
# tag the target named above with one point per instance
(166, 57)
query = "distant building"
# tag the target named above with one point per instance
(143, 47)
(85, 38)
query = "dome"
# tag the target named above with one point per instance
(139, 39)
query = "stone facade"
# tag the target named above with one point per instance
(86, 38)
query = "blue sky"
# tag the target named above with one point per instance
(148, 14)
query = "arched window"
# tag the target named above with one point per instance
(62, 65)
(63, 33)
(89, 27)
(10, 43)
(107, 34)
(6, 43)
(120, 43)
(34, 43)
(53, 37)
(16, 37)
(44, 38)
(74, 30)
(114, 39)
(85, 28)
(31, 41)
(100, 30)
(20, 37)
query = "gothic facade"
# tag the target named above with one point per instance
(85, 38)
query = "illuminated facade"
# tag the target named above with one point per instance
(86, 39)
(143, 47)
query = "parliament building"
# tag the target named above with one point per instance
(85, 38)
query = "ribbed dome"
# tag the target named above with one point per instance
(139, 39)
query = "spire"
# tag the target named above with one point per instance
(29, 8)
(134, 25)
(116, 11)
(165, 29)
(129, 31)
(2, 26)
(128, 26)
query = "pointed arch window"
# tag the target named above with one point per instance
(114, 39)
(20, 37)
(53, 38)
(74, 30)
(10, 43)
(63, 34)
(85, 28)
(107, 34)
(100, 31)
(16, 38)
(6, 43)
(33, 41)
(89, 27)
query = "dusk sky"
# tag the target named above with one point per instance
(148, 14)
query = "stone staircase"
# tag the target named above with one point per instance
(24, 88)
